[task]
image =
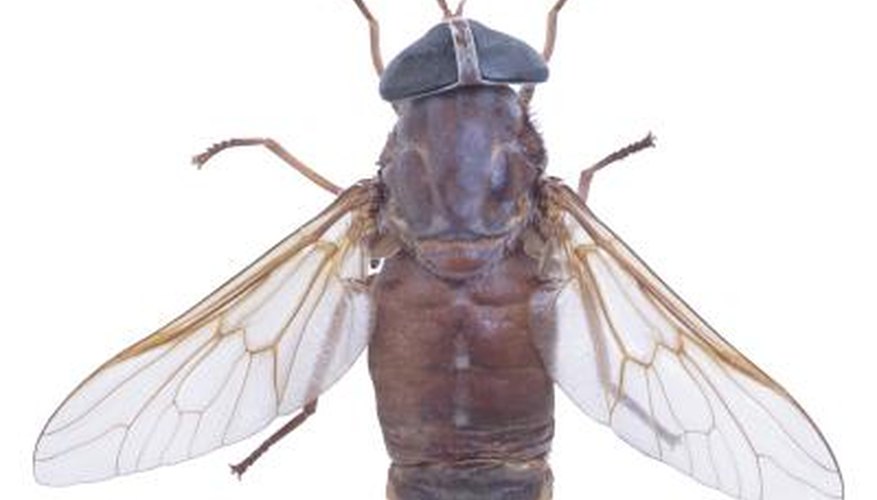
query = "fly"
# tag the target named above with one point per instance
(478, 283)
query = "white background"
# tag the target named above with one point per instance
(758, 205)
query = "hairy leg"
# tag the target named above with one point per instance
(242, 466)
(275, 148)
(587, 175)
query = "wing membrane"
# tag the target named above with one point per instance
(265, 343)
(634, 356)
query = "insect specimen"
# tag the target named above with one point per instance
(478, 283)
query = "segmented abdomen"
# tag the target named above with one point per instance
(465, 404)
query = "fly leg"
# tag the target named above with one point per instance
(275, 148)
(588, 174)
(526, 93)
(242, 466)
(374, 32)
(551, 30)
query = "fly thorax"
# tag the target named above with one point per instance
(458, 174)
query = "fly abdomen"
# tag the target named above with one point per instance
(464, 401)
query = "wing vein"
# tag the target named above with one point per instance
(777, 422)
(115, 388)
(185, 363)
(321, 274)
(733, 417)
(233, 414)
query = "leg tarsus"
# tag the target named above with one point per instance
(274, 147)
(587, 175)
(242, 466)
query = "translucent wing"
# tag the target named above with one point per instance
(634, 356)
(265, 343)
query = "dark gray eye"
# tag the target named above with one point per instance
(427, 65)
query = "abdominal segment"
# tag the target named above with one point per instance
(529, 480)
(465, 405)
